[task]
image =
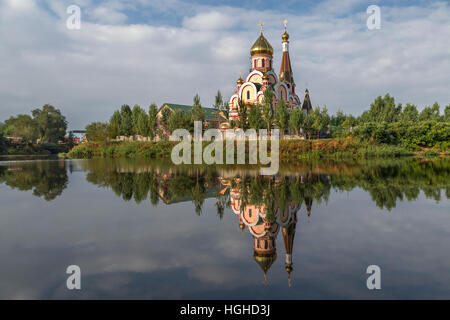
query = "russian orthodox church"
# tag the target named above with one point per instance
(262, 76)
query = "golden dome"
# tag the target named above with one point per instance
(261, 46)
(265, 261)
(265, 76)
(285, 36)
(240, 81)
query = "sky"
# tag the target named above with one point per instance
(139, 52)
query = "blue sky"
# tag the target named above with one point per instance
(138, 52)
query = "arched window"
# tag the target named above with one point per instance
(281, 94)
(250, 213)
(263, 63)
(248, 94)
(266, 244)
(255, 63)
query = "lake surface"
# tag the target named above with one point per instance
(142, 229)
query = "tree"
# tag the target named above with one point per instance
(324, 118)
(97, 131)
(22, 126)
(219, 105)
(51, 124)
(255, 120)
(197, 112)
(430, 113)
(410, 113)
(135, 114)
(70, 142)
(447, 113)
(382, 109)
(178, 120)
(152, 120)
(281, 116)
(296, 119)
(268, 109)
(338, 119)
(114, 125)
(126, 123)
(242, 112)
(166, 113)
(142, 124)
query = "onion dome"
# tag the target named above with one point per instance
(261, 46)
(265, 261)
(265, 76)
(240, 81)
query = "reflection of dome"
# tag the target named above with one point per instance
(261, 46)
(265, 261)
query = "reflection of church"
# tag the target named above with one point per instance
(264, 232)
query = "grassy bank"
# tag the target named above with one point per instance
(290, 150)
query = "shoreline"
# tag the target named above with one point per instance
(289, 150)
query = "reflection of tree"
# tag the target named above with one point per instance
(386, 182)
(47, 179)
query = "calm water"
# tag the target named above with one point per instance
(139, 229)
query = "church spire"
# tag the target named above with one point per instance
(288, 239)
(285, 68)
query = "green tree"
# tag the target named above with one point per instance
(142, 124)
(282, 116)
(338, 119)
(447, 113)
(114, 125)
(70, 142)
(51, 124)
(430, 113)
(197, 112)
(178, 120)
(255, 120)
(308, 125)
(243, 114)
(219, 105)
(296, 119)
(410, 113)
(135, 114)
(22, 126)
(152, 120)
(126, 123)
(165, 116)
(268, 109)
(97, 131)
(324, 118)
(382, 109)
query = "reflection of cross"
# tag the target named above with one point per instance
(285, 24)
(261, 24)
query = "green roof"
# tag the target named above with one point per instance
(209, 112)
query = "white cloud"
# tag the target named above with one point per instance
(90, 72)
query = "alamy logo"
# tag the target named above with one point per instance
(73, 22)
(74, 280)
(374, 280)
(374, 20)
(213, 152)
